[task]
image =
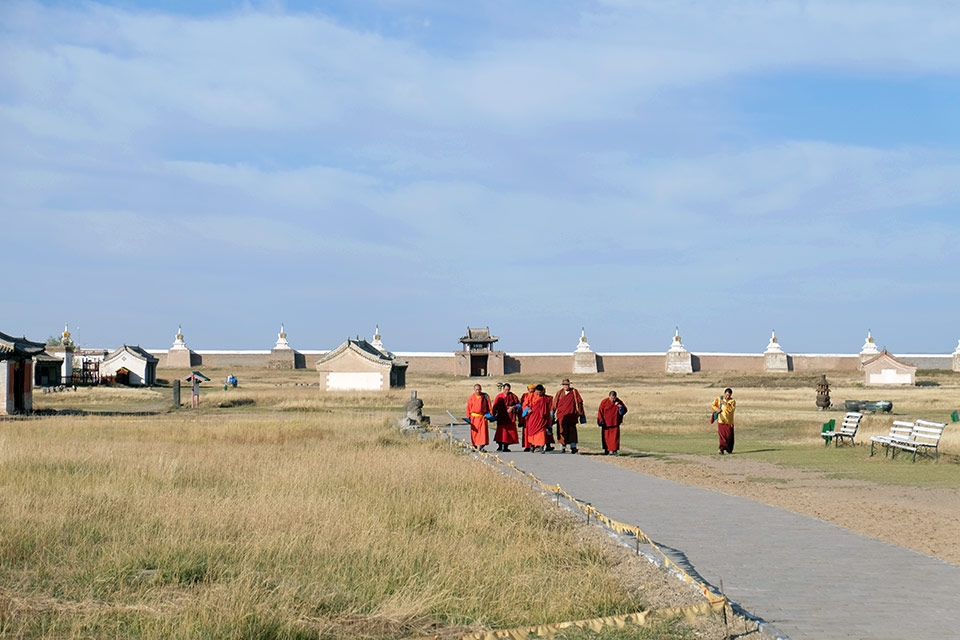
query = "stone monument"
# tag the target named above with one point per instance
(282, 356)
(584, 359)
(179, 356)
(823, 393)
(774, 359)
(413, 413)
(679, 359)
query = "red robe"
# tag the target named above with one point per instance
(477, 407)
(609, 418)
(505, 411)
(538, 419)
(569, 408)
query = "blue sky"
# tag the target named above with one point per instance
(623, 166)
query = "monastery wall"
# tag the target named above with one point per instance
(544, 364)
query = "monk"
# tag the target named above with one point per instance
(723, 408)
(568, 406)
(478, 412)
(609, 419)
(506, 409)
(521, 421)
(536, 413)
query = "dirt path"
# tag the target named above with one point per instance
(923, 519)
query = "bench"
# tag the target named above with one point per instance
(848, 429)
(924, 437)
(900, 432)
(827, 426)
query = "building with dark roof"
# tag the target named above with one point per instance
(16, 373)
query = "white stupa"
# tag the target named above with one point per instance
(583, 345)
(178, 342)
(179, 355)
(678, 359)
(676, 345)
(282, 339)
(584, 359)
(869, 347)
(773, 346)
(774, 359)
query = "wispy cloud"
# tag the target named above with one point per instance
(449, 148)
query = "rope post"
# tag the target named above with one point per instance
(589, 509)
(638, 544)
(558, 495)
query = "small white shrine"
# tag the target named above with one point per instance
(774, 358)
(178, 356)
(679, 359)
(584, 359)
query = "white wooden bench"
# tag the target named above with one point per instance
(848, 428)
(900, 432)
(924, 438)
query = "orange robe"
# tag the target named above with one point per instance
(477, 408)
(538, 419)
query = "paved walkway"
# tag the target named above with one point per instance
(803, 577)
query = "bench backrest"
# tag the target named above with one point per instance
(850, 423)
(928, 433)
(901, 431)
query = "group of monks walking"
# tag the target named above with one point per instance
(529, 419)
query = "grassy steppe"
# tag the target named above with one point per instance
(280, 514)
(274, 511)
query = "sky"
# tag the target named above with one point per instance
(623, 168)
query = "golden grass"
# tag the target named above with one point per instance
(296, 516)
(275, 511)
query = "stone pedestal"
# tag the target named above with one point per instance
(584, 359)
(678, 359)
(179, 359)
(774, 359)
(284, 358)
(775, 362)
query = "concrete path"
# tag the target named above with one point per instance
(803, 577)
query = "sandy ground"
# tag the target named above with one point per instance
(924, 519)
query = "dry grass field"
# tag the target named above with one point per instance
(276, 512)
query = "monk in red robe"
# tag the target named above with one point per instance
(568, 406)
(478, 412)
(609, 419)
(506, 409)
(521, 421)
(536, 413)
